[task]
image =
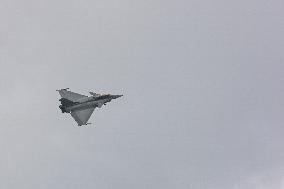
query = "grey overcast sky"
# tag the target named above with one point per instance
(203, 94)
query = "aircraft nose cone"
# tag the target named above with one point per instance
(117, 96)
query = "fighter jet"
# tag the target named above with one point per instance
(81, 106)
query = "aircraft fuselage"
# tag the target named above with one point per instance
(89, 102)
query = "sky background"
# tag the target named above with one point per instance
(202, 83)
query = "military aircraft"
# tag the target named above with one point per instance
(81, 106)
